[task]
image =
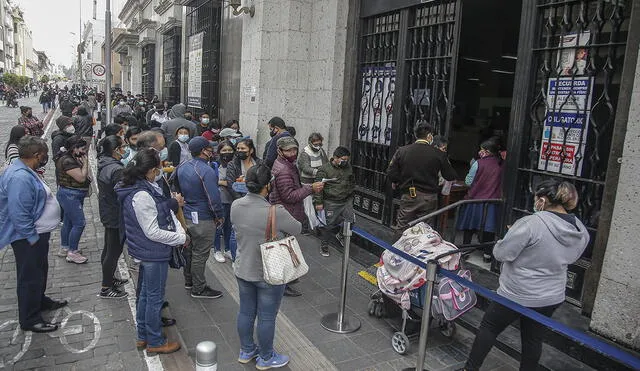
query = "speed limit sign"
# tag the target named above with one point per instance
(99, 70)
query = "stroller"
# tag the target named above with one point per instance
(402, 287)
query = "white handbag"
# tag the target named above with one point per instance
(282, 260)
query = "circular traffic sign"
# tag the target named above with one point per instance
(99, 70)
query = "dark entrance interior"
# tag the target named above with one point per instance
(485, 76)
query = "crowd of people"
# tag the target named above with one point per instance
(169, 179)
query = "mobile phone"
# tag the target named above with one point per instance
(412, 192)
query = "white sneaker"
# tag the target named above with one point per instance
(227, 254)
(219, 256)
(75, 257)
(62, 252)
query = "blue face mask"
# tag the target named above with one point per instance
(127, 152)
(164, 154)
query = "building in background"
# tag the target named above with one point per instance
(6, 36)
(25, 60)
(44, 68)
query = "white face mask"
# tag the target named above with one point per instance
(183, 138)
(70, 129)
(159, 176)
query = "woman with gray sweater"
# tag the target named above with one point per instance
(535, 254)
(249, 216)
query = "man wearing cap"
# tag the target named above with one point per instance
(286, 188)
(229, 134)
(203, 213)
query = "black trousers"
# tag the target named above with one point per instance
(495, 320)
(110, 254)
(32, 267)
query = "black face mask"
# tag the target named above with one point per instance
(273, 133)
(226, 157)
(242, 155)
(188, 117)
(43, 162)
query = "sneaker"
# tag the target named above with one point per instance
(188, 285)
(276, 361)
(246, 357)
(324, 248)
(227, 254)
(207, 293)
(117, 282)
(219, 256)
(167, 348)
(75, 257)
(290, 291)
(486, 258)
(63, 251)
(340, 239)
(112, 293)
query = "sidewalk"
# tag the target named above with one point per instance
(94, 333)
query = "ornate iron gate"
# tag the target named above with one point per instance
(562, 125)
(407, 73)
(148, 70)
(171, 65)
(206, 16)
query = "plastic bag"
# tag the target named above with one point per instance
(315, 219)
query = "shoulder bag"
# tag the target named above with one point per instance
(282, 260)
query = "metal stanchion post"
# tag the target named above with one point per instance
(432, 268)
(338, 322)
(206, 356)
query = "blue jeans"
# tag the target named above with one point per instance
(150, 302)
(262, 300)
(72, 201)
(227, 232)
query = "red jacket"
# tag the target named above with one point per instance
(287, 190)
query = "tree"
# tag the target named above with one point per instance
(44, 79)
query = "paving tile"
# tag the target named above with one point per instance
(372, 341)
(340, 350)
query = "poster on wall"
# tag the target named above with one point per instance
(566, 125)
(575, 56)
(194, 81)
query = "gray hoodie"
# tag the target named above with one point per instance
(535, 253)
(177, 120)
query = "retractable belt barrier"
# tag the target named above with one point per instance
(591, 342)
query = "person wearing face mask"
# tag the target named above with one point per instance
(277, 130)
(179, 150)
(159, 116)
(312, 158)
(110, 152)
(122, 108)
(11, 152)
(59, 137)
(72, 174)
(535, 254)
(30, 213)
(235, 125)
(204, 123)
(203, 212)
(32, 125)
(336, 198)
(413, 171)
(485, 182)
(177, 120)
(131, 139)
(244, 159)
(249, 216)
(226, 153)
(230, 135)
(151, 231)
(287, 189)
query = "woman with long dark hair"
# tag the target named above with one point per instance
(535, 254)
(11, 150)
(110, 152)
(152, 231)
(245, 158)
(485, 181)
(72, 175)
(226, 153)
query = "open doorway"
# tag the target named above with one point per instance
(484, 81)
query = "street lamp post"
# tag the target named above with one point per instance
(107, 60)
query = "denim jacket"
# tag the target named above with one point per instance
(22, 200)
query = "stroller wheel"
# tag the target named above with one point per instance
(448, 329)
(400, 342)
(372, 307)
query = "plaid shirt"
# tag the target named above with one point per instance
(32, 125)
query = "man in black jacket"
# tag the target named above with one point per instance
(414, 171)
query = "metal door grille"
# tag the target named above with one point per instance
(171, 46)
(406, 59)
(578, 56)
(148, 70)
(206, 16)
